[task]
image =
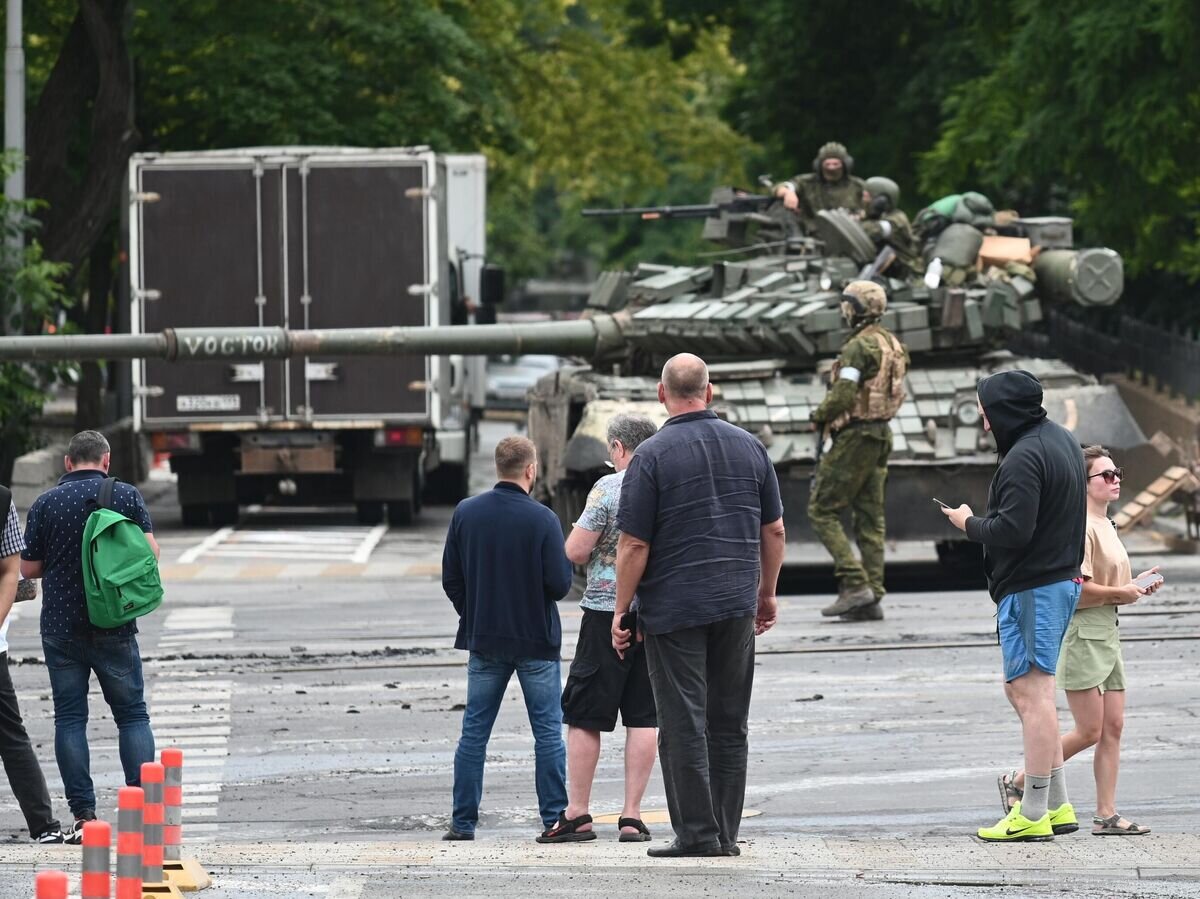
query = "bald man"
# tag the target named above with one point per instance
(701, 543)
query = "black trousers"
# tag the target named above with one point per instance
(21, 762)
(702, 678)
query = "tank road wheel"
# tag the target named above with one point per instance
(369, 512)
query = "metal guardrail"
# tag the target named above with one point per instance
(1166, 359)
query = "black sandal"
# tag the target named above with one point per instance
(641, 836)
(567, 831)
(1110, 827)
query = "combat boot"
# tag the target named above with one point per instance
(849, 598)
(873, 612)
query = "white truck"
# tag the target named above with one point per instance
(309, 238)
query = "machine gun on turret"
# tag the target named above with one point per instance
(727, 214)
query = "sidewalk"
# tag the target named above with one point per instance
(1159, 865)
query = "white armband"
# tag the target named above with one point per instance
(849, 373)
(886, 228)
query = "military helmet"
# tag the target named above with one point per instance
(879, 186)
(863, 300)
(831, 149)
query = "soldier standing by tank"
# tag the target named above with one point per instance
(830, 185)
(887, 225)
(867, 389)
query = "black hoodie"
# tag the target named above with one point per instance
(1033, 531)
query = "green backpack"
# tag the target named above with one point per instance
(120, 573)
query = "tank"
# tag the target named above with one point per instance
(763, 312)
(765, 315)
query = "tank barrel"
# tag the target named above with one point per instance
(584, 337)
(1090, 277)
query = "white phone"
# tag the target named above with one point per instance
(940, 503)
(1148, 581)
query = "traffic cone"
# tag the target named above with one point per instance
(153, 882)
(96, 881)
(130, 804)
(185, 873)
(51, 885)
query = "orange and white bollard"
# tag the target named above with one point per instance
(172, 762)
(96, 880)
(185, 873)
(153, 882)
(130, 802)
(51, 885)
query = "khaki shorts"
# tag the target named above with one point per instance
(1091, 657)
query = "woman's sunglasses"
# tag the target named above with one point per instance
(1111, 475)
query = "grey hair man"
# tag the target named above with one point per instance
(702, 542)
(600, 682)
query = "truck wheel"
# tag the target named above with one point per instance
(369, 512)
(223, 514)
(400, 512)
(194, 515)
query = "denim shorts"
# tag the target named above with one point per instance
(1031, 625)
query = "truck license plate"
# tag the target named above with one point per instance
(208, 402)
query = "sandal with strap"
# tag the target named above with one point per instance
(1010, 793)
(567, 831)
(1110, 827)
(640, 837)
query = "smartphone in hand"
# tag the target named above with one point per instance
(940, 503)
(629, 621)
(1148, 581)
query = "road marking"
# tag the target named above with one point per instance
(195, 713)
(204, 546)
(363, 553)
(311, 544)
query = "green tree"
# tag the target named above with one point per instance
(1092, 106)
(30, 288)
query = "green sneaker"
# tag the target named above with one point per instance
(1062, 819)
(1015, 827)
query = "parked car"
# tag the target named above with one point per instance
(510, 377)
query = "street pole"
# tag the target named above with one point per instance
(14, 128)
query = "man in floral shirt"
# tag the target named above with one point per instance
(601, 683)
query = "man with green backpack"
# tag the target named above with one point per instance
(82, 539)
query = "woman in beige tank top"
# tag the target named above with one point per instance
(1090, 666)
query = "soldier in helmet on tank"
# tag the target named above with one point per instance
(830, 185)
(866, 390)
(887, 225)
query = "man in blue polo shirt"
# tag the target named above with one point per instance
(504, 570)
(702, 542)
(73, 646)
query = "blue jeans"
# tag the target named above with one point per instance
(118, 666)
(541, 684)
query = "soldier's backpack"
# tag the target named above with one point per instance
(120, 573)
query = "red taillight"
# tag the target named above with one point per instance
(411, 436)
(165, 441)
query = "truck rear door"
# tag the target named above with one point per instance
(358, 256)
(206, 255)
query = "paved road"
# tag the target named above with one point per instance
(318, 702)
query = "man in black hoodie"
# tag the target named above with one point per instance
(1032, 538)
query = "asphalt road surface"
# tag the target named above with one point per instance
(305, 666)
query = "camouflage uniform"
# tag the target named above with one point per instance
(887, 225)
(898, 234)
(815, 193)
(853, 474)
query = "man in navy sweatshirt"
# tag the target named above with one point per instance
(504, 569)
(1032, 536)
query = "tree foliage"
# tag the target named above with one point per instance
(1091, 106)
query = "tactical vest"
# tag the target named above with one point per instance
(879, 399)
